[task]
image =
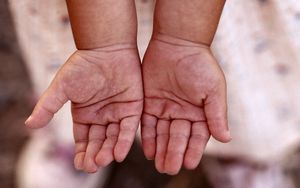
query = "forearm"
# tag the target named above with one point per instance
(99, 23)
(193, 20)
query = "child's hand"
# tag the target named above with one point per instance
(105, 88)
(185, 102)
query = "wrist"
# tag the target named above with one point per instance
(193, 20)
(107, 43)
(183, 35)
(109, 52)
(177, 41)
(100, 23)
(102, 38)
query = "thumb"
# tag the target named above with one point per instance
(216, 114)
(49, 103)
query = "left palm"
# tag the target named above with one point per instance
(185, 94)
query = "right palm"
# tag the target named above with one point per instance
(105, 88)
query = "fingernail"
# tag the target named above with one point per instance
(229, 135)
(28, 120)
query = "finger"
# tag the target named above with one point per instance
(81, 134)
(163, 129)
(96, 139)
(179, 136)
(128, 128)
(148, 128)
(216, 114)
(197, 143)
(50, 102)
(106, 153)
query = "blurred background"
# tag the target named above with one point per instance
(258, 47)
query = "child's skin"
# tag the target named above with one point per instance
(184, 87)
(102, 79)
(185, 90)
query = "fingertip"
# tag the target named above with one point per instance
(216, 115)
(219, 130)
(191, 163)
(90, 166)
(78, 161)
(149, 149)
(103, 159)
(27, 122)
(190, 166)
(227, 137)
(149, 157)
(48, 104)
(92, 170)
(222, 136)
(159, 165)
(119, 158)
(32, 123)
(120, 153)
(38, 119)
(172, 172)
(173, 163)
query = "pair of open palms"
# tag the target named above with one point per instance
(179, 94)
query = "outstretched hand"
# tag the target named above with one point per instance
(105, 88)
(185, 103)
